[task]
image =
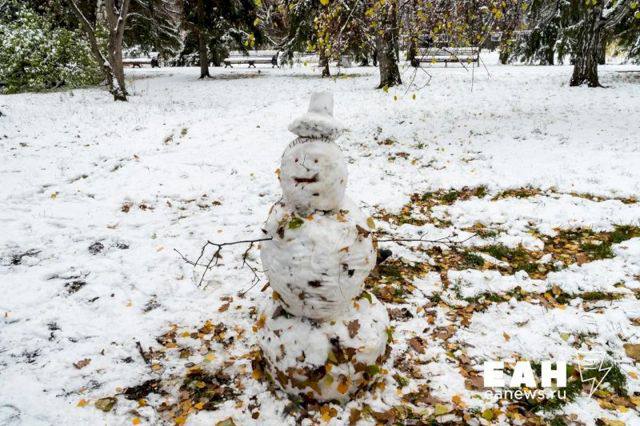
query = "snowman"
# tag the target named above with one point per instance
(322, 336)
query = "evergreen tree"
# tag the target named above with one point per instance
(580, 28)
(218, 25)
(154, 25)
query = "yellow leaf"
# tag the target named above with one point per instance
(135, 421)
(199, 406)
(457, 399)
(487, 414)
(180, 420)
(441, 409)
(325, 411)
(633, 375)
(370, 223)
(54, 195)
(324, 2)
(82, 403)
(506, 336)
(209, 357)
(343, 387)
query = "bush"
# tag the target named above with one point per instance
(36, 55)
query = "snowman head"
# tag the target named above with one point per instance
(313, 173)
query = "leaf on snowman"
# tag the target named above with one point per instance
(295, 223)
(370, 223)
(362, 232)
(353, 327)
(367, 296)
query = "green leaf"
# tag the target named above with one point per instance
(295, 223)
(372, 370)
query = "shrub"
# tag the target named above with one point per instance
(36, 55)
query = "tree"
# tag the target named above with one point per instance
(580, 28)
(386, 30)
(154, 25)
(115, 14)
(219, 24)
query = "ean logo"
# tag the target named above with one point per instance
(592, 361)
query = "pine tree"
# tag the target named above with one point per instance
(580, 28)
(220, 24)
(154, 25)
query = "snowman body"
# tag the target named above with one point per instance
(320, 252)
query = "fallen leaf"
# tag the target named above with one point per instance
(506, 336)
(441, 409)
(105, 404)
(226, 422)
(82, 363)
(487, 414)
(633, 351)
(416, 344)
(457, 399)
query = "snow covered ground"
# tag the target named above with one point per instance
(96, 195)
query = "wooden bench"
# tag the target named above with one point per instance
(139, 62)
(446, 55)
(252, 58)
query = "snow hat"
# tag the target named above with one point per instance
(318, 122)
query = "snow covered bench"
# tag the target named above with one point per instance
(446, 55)
(252, 58)
(138, 62)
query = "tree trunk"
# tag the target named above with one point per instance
(585, 69)
(602, 51)
(385, 46)
(117, 83)
(549, 54)
(112, 66)
(202, 40)
(324, 63)
(116, 16)
(204, 55)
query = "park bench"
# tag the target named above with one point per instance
(252, 58)
(446, 55)
(138, 62)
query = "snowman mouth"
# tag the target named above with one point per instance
(312, 179)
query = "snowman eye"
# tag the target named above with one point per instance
(296, 160)
(315, 161)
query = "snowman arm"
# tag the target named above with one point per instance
(213, 260)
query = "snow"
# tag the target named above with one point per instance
(187, 160)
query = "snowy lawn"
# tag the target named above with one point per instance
(96, 195)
